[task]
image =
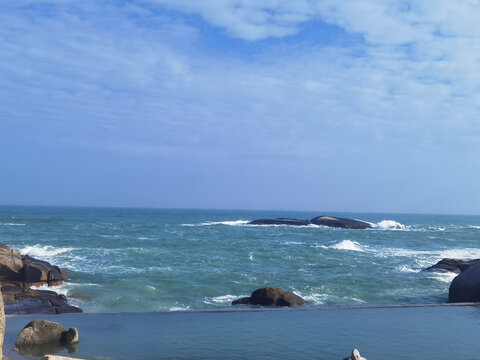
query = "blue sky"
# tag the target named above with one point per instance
(311, 105)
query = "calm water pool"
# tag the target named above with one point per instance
(439, 332)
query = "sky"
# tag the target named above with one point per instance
(322, 105)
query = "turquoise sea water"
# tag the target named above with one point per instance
(162, 260)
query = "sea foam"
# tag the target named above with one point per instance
(43, 252)
(348, 245)
(390, 225)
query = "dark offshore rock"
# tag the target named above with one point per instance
(39, 337)
(38, 271)
(10, 263)
(20, 299)
(272, 297)
(280, 221)
(452, 265)
(340, 222)
(466, 286)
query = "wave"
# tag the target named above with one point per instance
(446, 277)
(390, 225)
(12, 224)
(223, 299)
(348, 245)
(47, 251)
(476, 227)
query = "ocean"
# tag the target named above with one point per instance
(147, 260)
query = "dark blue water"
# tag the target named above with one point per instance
(156, 260)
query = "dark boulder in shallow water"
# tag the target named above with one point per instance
(466, 286)
(280, 221)
(344, 223)
(272, 297)
(452, 265)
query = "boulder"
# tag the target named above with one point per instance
(452, 265)
(272, 297)
(40, 332)
(2, 325)
(466, 286)
(11, 264)
(38, 271)
(280, 221)
(345, 223)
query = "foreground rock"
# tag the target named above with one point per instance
(466, 286)
(18, 273)
(272, 297)
(2, 325)
(39, 337)
(329, 221)
(452, 265)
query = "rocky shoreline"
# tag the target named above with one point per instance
(19, 273)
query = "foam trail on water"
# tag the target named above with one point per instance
(12, 224)
(228, 223)
(446, 277)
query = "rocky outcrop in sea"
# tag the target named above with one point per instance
(18, 273)
(271, 297)
(329, 221)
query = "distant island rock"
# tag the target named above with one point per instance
(329, 221)
(18, 273)
(271, 297)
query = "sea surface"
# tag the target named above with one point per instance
(124, 260)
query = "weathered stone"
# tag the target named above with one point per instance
(345, 223)
(452, 265)
(38, 271)
(38, 332)
(10, 264)
(465, 287)
(272, 297)
(20, 299)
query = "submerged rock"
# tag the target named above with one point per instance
(280, 221)
(344, 223)
(38, 332)
(272, 297)
(466, 286)
(452, 265)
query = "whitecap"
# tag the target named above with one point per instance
(250, 256)
(44, 251)
(180, 308)
(444, 277)
(390, 225)
(293, 243)
(476, 227)
(12, 224)
(228, 223)
(407, 269)
(222, 300)
(347, 245)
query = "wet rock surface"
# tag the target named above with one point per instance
(19, 273)
(272, 297)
